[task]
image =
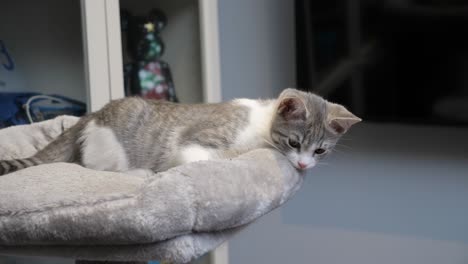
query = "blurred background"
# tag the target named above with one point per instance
(393, 60)
(394, 191)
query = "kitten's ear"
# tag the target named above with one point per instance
(340, 119)
(292, 108)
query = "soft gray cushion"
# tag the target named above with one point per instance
(66, 210)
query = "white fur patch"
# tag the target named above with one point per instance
(194, 153)
(258, 129)
(101, 149)
(305, 158)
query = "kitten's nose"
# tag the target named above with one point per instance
(301, 165)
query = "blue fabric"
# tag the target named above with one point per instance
(12, 110)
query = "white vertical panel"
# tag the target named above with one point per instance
(220, 255)
(210, 50)
(103, 51)
(95, 52)
(211, 81)
(114, 49)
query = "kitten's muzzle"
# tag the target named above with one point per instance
(301, 165)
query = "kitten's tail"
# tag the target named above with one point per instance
(61, 149)
(7, 166)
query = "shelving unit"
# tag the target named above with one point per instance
(74, 48)
(192, 47)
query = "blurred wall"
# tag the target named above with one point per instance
(390, 194)
(256, 47)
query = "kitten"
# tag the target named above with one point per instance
(135, 133)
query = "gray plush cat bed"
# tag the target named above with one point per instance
(66, 210)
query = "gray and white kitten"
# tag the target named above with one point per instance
(134, 133)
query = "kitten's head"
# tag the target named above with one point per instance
(307, 127)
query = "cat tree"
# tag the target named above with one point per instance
(65, 210)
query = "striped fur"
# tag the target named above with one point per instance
(62, 149)
(7, 166)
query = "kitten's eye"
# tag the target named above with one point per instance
(319, 151)
(294, 144)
